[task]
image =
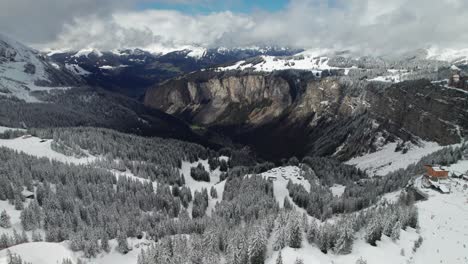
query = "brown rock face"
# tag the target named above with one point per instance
(291, 113)
(251, 99)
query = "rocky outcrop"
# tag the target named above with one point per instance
(293, 113)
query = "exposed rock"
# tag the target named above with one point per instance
(29, 68)
(293, 113)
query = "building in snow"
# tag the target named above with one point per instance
(457, 79)
(435, 172)
(272, 178)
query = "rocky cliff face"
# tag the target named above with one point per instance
(293, 113)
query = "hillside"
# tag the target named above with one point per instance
(25, 72)
(286, 113)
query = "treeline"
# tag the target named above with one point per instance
(155, 159)
(247, 243)
(361, 191)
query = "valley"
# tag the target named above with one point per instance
(198, 153)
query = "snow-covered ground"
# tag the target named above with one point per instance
(33, 146)
(3, 129)
(337, 189)
(40, 253)
(15, 80)
(393, 76)
(75, 68)
(54, 253)
(199, 185)
(14, 218)
(443, 221)
(454, 56)
(386, 252)
(281, 176)
(386, 160)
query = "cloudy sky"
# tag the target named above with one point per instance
(369, 25)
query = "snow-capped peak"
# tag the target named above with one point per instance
(87, 52)
(454, 56)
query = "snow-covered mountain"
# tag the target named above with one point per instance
(131, 71)
(421, 63)
(25, 71)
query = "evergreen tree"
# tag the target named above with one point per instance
(312, 232)
(287, 204)
(36, 236)
(361, 261)
(396, 231)
(295, 233)
(5, 220)
(374, 231)
(279, 259)
(257, 246)
(344, 243)
(299, 261)
(122, 243)
(213, 192)
(105, 242)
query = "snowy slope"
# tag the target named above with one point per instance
(24, 70)
(199, 185)
(312, 60)
(386, 160)
(39, 253)
(33, 146)
(282, 176)
(54, 253)
(454, 56)
(443, 221)
(3, 129)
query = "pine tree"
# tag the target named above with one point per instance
(413, 217)
(388, 226)
(122, 243)
(257, 246)
(396, 231)
(312, 232)
(18, 203)
(279, 260)
(374, 231)
(299, 261)
(295, 233)
(287, 204)
(5, 219)
(5, 241)
(105, 242)
(344, 243)
(361, 261)
(36, 236)
(24, 237)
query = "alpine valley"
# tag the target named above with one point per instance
(246, 155)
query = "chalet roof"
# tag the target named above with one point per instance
(455, 68)
(436, 167)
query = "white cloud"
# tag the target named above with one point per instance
(368, 25)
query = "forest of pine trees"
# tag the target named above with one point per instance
(89, 206)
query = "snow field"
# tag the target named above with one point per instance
(386, 160)
(280, 177)
(33, 146)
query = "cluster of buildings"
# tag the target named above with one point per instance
(437, 177)
(458, 79)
